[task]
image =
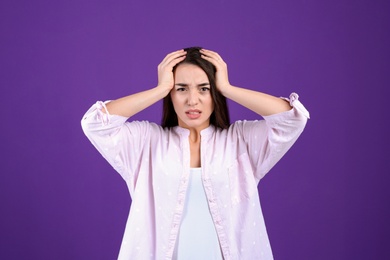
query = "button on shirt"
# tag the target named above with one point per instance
(155, 163)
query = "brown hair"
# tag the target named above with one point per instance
(220, 116)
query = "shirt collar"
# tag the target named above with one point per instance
(185, 132)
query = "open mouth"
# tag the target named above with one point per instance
(193, 114)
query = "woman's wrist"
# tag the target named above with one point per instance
(225, 90)
(163, 89)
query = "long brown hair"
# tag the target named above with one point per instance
(220, 116)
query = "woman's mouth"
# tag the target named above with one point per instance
(193, 113)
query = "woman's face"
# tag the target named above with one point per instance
(191, 97)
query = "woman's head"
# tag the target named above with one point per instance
(219, 115)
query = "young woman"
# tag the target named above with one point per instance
(193, 180)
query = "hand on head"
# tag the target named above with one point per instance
(165, 68)
(221, 75)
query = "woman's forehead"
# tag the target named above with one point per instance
(190, 72)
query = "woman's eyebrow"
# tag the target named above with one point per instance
(181, 84)
(186, 85)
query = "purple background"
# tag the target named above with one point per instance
(328, 198)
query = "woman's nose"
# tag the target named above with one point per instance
(193, 98)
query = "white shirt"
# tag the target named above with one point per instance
(197, 237)
(155, 163)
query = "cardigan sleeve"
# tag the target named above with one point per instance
(268, 140)
(118, 141)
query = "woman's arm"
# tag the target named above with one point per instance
(261, 103)
(132, 104)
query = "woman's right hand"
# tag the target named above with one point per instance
(165, 73)
(134, 103)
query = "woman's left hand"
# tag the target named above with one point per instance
(221, 75)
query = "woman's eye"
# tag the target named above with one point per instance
(180, 89)
(203, 89)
